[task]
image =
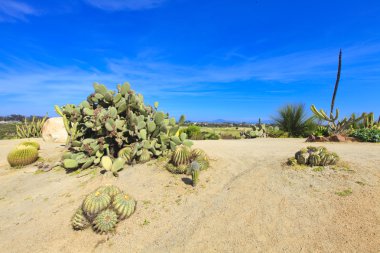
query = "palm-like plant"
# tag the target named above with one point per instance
(293, 119)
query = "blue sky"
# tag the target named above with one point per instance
(235, 60)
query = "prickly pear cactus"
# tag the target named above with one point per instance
(79, 220)
(124, 205)
(118, 124)
(22, 156)
(105, 222)
(96, 202)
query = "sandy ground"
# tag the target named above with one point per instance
(246, 202)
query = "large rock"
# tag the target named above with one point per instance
(54, 130)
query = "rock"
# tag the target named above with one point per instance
(321, 139)
(54, 130)
(311, 138)
(337, 138)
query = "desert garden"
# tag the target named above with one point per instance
(127, 176)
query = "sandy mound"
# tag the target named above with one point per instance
(246, 202)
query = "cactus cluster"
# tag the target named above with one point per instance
(30, 129)
(182, 158)
(24, 154)
(103, 209)
(314, 156)
(258, 130)
(117, 125)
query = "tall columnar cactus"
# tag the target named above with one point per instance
(118, 124)
(336, 126)
(195, 170)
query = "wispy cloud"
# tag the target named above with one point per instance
(42, 85)
(14, 10)
(116, 5)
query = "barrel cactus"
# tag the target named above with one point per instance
(314, 156)
(110, 190)
(105, 221)
(302, 156)
(314, 160)
(79, 220)
(96, 202)
(22, 156)
(181, 155)
(124, 205)
(32, 144)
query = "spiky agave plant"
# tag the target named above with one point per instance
(105, 222)
(124, 205)
(22, 155)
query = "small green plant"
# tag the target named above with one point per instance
(103, 208)
(22, 156)
(321, 131)
(30, 129)
(344, 193)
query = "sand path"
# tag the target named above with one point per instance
(247, 202)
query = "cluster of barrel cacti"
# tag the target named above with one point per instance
(23, 154)
(314, 156)
(30, 129)
(117, 125)
(258, 130)
(184, 159)
(103, 209)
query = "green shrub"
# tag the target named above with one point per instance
(211, 136)
(193, 132)
(8, 131)
(366, 134)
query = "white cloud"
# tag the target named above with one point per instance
(42, 86)
(13, 10)
(115, 5)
